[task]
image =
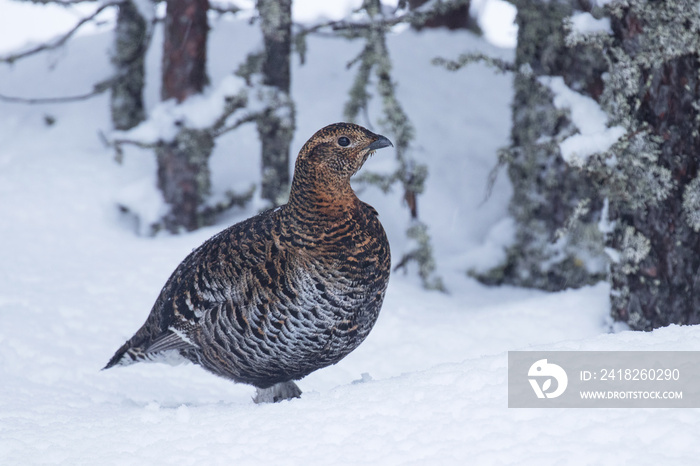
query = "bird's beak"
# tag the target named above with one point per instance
(379, 143)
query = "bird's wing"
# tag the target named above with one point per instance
(173, 339)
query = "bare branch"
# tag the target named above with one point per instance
(62, 39)
(97, 89)
(502, 66)
(247, 118)
(65, 3)
(117, 143)
(233, 104)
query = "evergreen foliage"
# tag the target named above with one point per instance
(555, 205)
(375, 58)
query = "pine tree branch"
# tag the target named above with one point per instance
(61, 40)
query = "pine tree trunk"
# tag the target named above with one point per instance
(184, 49)
(547, 191)
(665, 286)
(183, 165)
(276, 125)
(130, 44)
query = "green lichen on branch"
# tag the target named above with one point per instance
(374, 62)
(422, 255)
(555, 206)
(466, 59)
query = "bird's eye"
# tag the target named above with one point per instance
(343, 141)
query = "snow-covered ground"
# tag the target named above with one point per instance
(429, 386)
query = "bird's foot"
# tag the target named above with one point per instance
(278, 392)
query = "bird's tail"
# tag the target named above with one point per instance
(125, 356)
(167, 348)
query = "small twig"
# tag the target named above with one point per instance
(249, 118)
(62, 39)
(233, 104)
(117, 143)
(60, 2)
(97, 89)
(502, 66)
(344, 25)
(504, 158)
(405, 260)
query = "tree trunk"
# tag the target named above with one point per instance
(276, 125)
(184, 49)
(130, 45)
(183, 165)
(664, 286)
(547, 191)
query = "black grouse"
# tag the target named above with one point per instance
(294, 289)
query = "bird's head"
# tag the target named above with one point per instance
(337, 152)
(327, 162)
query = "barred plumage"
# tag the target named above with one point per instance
(275, 297)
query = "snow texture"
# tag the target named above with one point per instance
(594, 135)
(429, 386)
(585, 23)
(146, 8)
(496, 19)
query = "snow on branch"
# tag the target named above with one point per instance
(61, 40)
(586, 23)
(361, 21)
(594, 134)
(210, 112)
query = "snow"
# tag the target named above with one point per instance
(429, 386)
(144, 201)
(496, 19)
(198, 112)
(594, 134)
(40, 22)
(602, 3)
(585, 23)
(307, 11)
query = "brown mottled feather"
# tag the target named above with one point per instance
(291, 290)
